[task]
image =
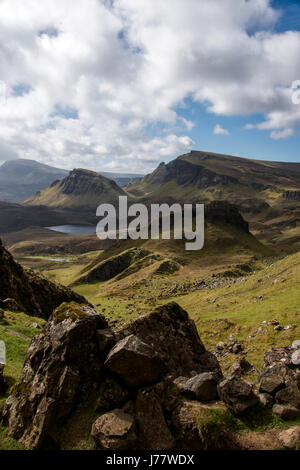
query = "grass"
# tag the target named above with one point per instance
(16, 331)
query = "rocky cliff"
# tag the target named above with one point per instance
(30, 292)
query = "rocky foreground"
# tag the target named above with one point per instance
(147, 383)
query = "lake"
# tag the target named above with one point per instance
(74, 229)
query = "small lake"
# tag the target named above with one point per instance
(74, 229)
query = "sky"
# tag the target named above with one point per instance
(122, 85)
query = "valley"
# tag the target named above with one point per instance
(241, 291)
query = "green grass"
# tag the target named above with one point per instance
(11, 326)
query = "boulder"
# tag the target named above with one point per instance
(154, 432)
(112, 394)
(239, 367)
(271, 384)
(290, 438)
(62, 367)
(106, 339)
(290, 394)
(114, 431)
(135, 362)
(237, 394)
(287, 413)
(266, 400)
(174, 337)
(202, 387)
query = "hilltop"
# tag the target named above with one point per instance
(82, 190)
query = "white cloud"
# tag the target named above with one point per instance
(220, 130)
(276, 135)
(120, 68)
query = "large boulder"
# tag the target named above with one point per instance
(237, 394)
(62, 367)
(23, 289)
(173, 336)
(135, 362)
(114, 431)
(77, 362)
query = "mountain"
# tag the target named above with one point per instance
(20, 179)
(267, 193)
(82, 190)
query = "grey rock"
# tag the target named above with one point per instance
(290, 438)
(271, 384)
(114, 431)
(202, 387)
(135, 362)
(265, 400)
(287, 413)
(237, 394)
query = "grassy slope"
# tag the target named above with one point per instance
(233, 308)
(16, 331)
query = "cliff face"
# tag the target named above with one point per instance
(34, 294)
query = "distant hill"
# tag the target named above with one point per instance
(82, 190)
(20, 179)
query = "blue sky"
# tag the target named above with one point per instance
(124, 85)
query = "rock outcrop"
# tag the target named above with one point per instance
(23, 289)
(78, 359)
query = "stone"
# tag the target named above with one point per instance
(202, 387)
(112, 394)
(221, 345)
(266, 400)
(135, 362)
(61, 367)
(239, 367)
(34, 325)
(236, 348)
(290, 438)
(271, 384)
(287, 413)
(295, 358)
(154, 432)
(290, 394)
(296, 344)
(114, 431)
(174, 337)
(278, 328)
(237, 394)
(106, 339)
